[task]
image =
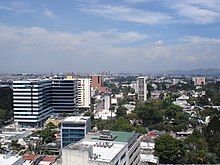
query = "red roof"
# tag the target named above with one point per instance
(50, 158)
(30, 157)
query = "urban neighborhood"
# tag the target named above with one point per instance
(110, 119)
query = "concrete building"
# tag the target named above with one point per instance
(97, 83)
(134, 85)
(182, 101)
(32, 102)
(74, 128)
(7, 159)
(199, 80)
(106, 148)
(84, 92)
(142, 88)
(64, 95)
(107, 101)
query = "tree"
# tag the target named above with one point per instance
(15, 145)
(149, 112)
(121, 111)
(161, 96)
(169, 150)
(47, 135)
(141, 129)
(50, 125)
(197, 149)
(122, 124)
(212, 134)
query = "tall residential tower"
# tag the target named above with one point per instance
(142, 88)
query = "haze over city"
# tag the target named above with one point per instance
(97, 35)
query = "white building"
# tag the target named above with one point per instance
(134, 85)
(73, 129)
(104, 114)
(182, 101)
(107, 102)
(109, 148)
(84, 92)
(142, 88)
(32, 102)
(7, 159)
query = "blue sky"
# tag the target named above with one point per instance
(116, 35)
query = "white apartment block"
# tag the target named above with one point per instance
(84, 92)
(142, 88)
(32, 102)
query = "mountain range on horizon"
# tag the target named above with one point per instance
(199, 71)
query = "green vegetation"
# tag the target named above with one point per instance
(169, 150)
(48, 133)
(162, 115)
(6, 104)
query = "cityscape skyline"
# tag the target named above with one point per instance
(119, 36)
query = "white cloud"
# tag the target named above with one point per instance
(37, 49)
(48, 13)
(122, 13)
(197, 11)
(18, 7)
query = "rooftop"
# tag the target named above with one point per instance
(11, 160)
(101, 151)
(119, 136)
(123, 136)
(76, 119)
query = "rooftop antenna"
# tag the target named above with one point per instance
(51, 72)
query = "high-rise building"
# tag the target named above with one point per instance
(65, 95)
(142, 88)
(107, 101)
(84, 92)
(106, 148)
(74, 128)
(97, 83)
(32, 102)
(35, 100)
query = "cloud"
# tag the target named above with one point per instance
(18, 7)
(49, 14)
(35, 49)
(197, 11)
(122, 13)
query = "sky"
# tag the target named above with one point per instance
(137, 36)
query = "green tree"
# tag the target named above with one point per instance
(169, 150)
(149, 112)
(212, 134)
(121, 111)
(50, 125)
(197, 148)
(47, 135)
(15, 145)
(122, 124)
(140, 129)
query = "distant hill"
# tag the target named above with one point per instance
(202, 71)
